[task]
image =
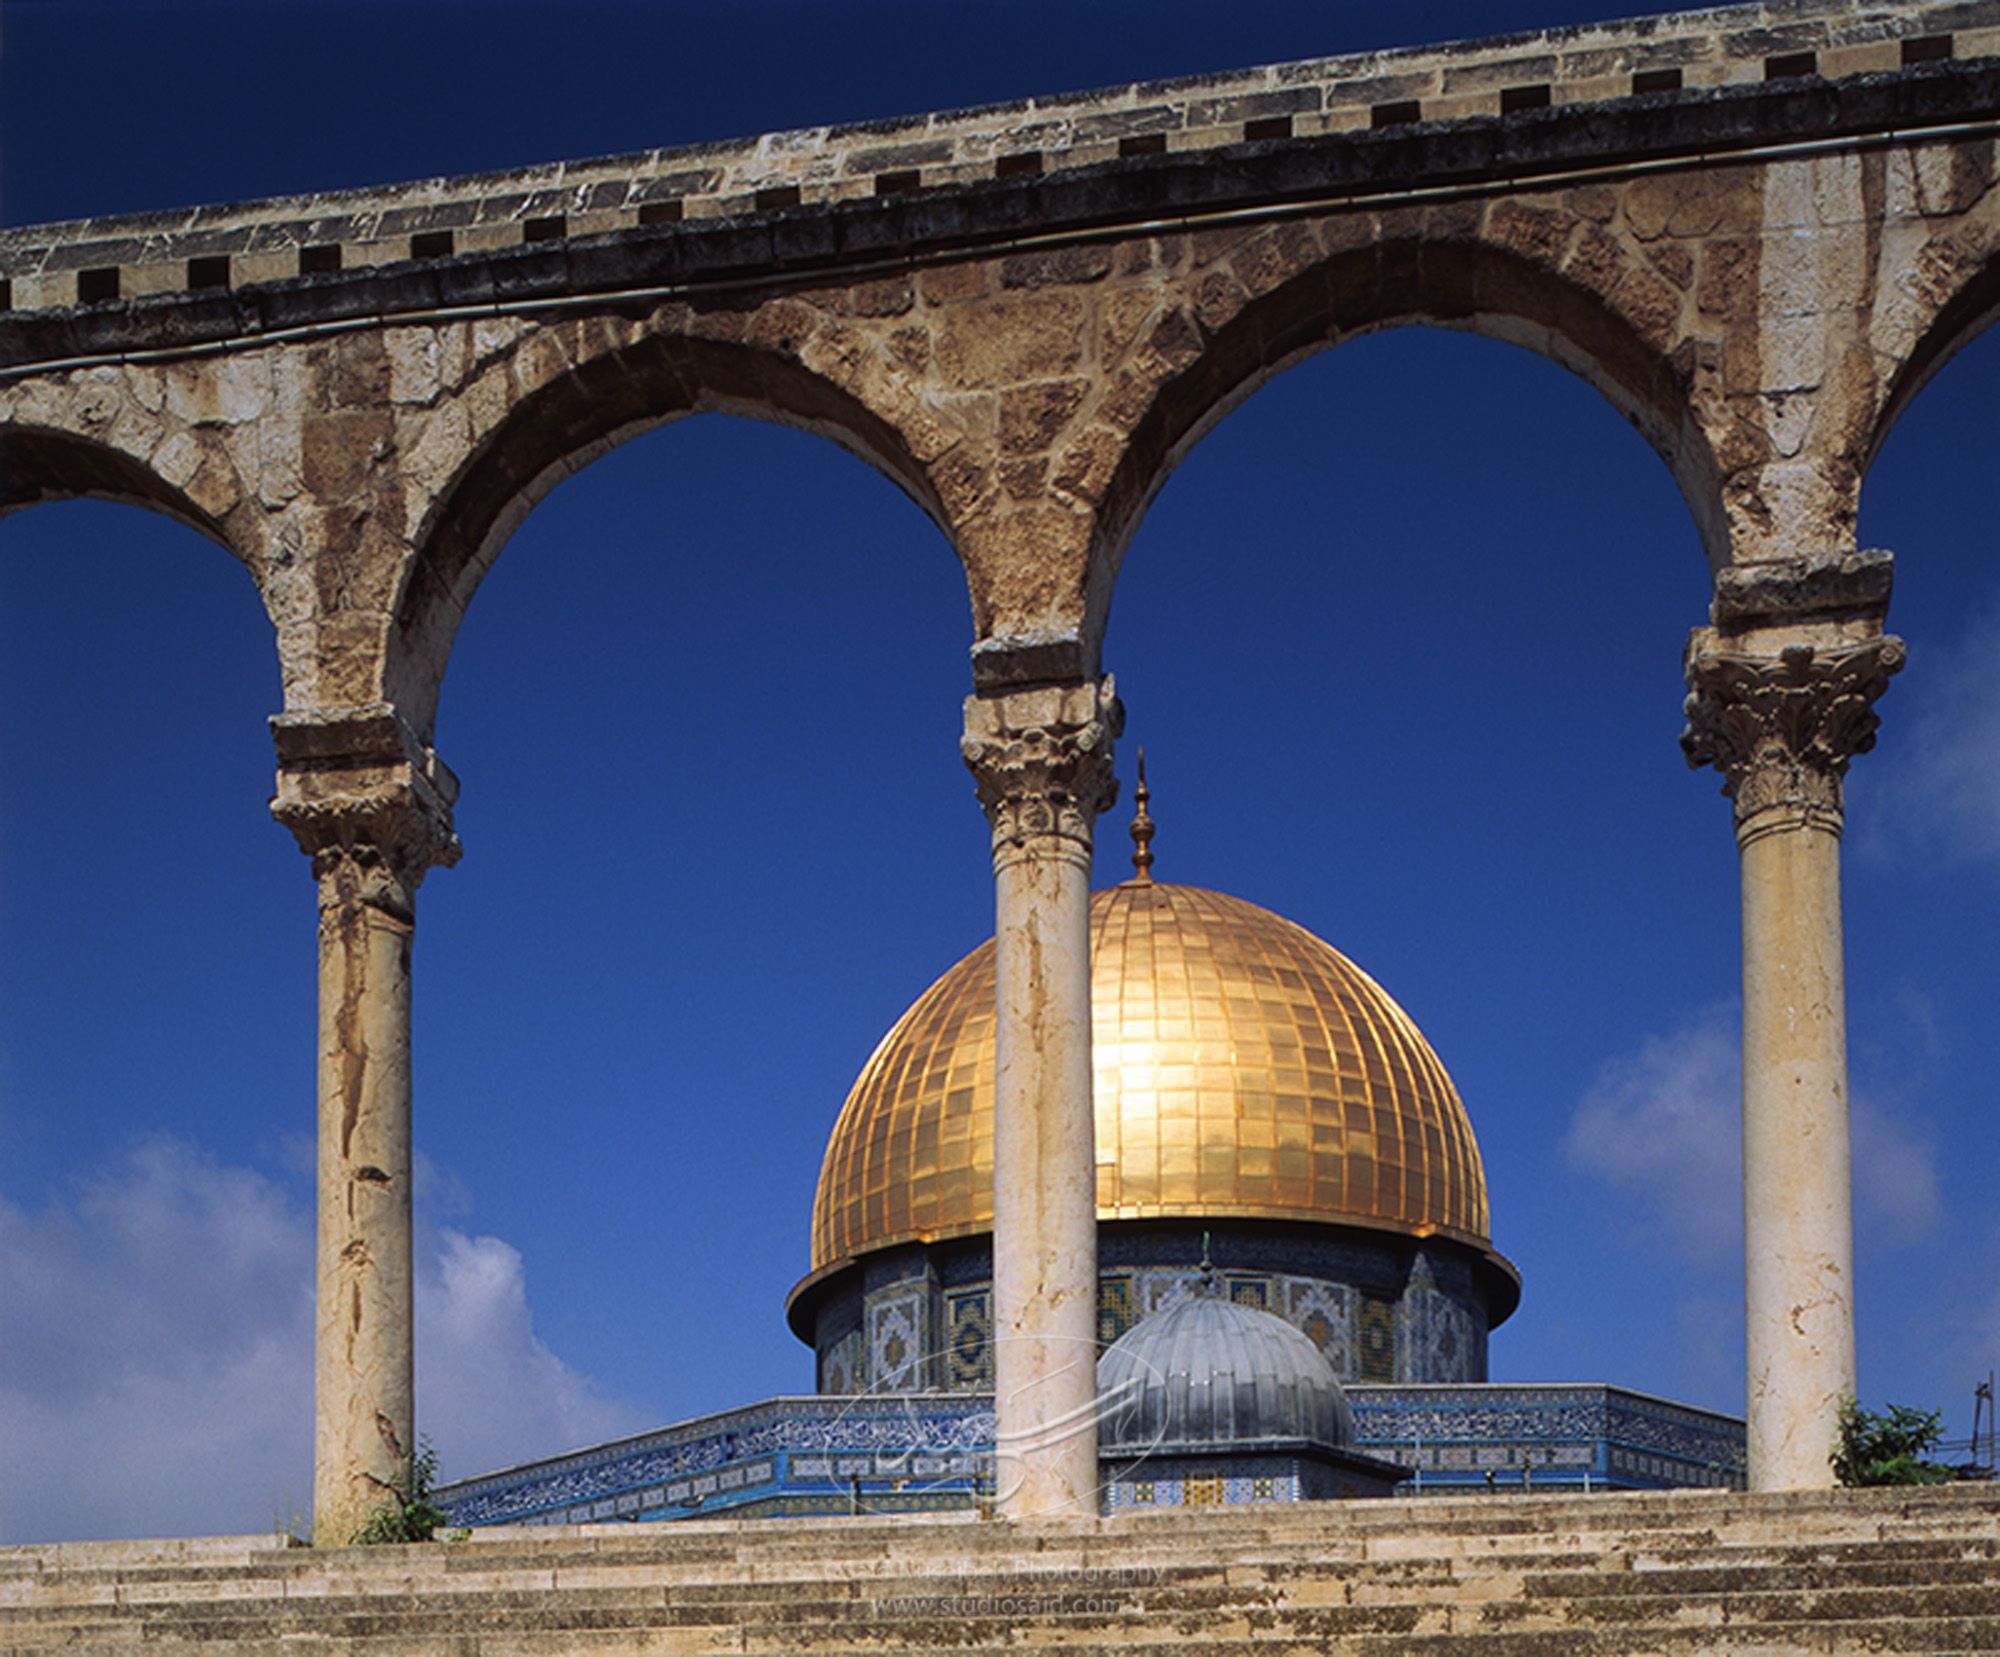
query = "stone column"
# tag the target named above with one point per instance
(372, 807)
(1782, 691)
(1042, 760)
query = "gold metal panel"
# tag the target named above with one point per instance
(1245, 1069)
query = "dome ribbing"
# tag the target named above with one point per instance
(1244, 1069)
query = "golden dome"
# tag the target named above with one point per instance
(1244, 1069)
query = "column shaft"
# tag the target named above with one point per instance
(1042, 760)
(1797, 1232)
(364, 1370)
(1044, 1187)
(371, 804)
(1782, 693)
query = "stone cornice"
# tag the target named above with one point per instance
(758, 239)
(1854, 586)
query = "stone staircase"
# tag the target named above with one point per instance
(1506, 1576)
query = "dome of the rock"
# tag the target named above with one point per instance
(1249, 1080)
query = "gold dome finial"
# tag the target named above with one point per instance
(1142, 828)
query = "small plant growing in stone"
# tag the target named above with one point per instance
(291, 1527)
(1889, 1447)
(415, 1517)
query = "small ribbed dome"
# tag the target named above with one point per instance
(1211, 1375)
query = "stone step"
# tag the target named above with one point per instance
(1832, 1573)
(428, 1573)
(1132, 1637)
(715, 1601)
(990, 1612)
(672, 1541)
(443, 1571)
(1785, 1574)
(1757, 1605)
(452, 1559)
(1925, 1636)
(1480, 1516)
(1630, 1587)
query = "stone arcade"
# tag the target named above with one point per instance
(1756, 230)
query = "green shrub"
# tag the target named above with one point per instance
(1888, 1448)
(414, 1518)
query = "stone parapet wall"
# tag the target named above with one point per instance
(796, 1450)
(1561, 1433)
(929, 1449)
(231, 245)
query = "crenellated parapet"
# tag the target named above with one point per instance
(206, 251)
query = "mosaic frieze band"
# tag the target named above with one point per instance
(922, 1319)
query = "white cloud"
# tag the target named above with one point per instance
(1961, 1325)
(156, 1371)
(156, 1355)
(489, 1392)
(1947, 763)
(1895, 1175)
(1665, 1125)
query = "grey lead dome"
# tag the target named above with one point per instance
(1210, 1375)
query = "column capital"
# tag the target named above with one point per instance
(1041, 761)
(1782, 721)
(368, 801)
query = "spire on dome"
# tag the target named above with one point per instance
(1142, 828)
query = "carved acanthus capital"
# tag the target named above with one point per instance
(368, 802)
(1041, 760)
(1781, 725)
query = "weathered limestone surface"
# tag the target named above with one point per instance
(1642, 1576)
(1761, 317)
(1042, 762)
(1758, 230)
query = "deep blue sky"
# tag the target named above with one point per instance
(1402, 640)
